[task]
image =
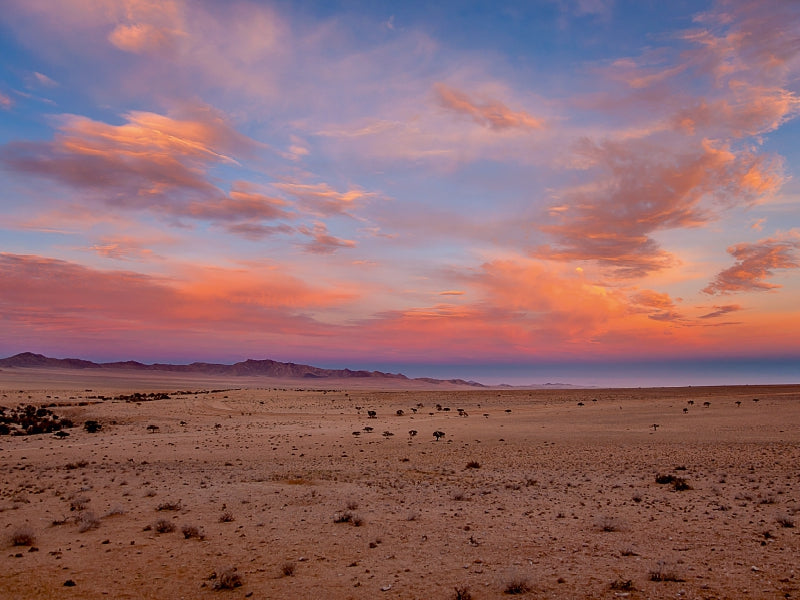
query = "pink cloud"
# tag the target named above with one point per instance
(720, 311)
(143, 38)
(5, 101)
(489, 113)
(321, 199)
(156, 163)
(754, 264)
(640, 189)
(45, 297)
(322, 242)
(124, 248)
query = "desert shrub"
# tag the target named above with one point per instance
(192, 531)
(87, 521)
(352, 505)
(462, 593)
(608, 523)
(23, 536)
(227, 579)
(663, 572)
(288, 569)
(625, 585)
(784, 520)
(92, 426)
(680, 485)
(169, 506)
(164, 526)
(665, 479)
(473, 464)
(227, 517)
(343, 517)
(79, 503)
(517, 585)
(78, 464)
(438, 435)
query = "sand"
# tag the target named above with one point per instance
(554, 489)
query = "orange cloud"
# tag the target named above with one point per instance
(491, 113)
(323, 200)
(42, 295)
(143, 38)
(322, 242)
(124, 248)
(754, 264)
(640, 189)
(157, 163)
(720, 311)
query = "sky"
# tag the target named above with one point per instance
(587, 191)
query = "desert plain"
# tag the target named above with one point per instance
(262, 488)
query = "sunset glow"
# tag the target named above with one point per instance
(522, 192)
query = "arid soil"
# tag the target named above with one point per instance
(553, 490)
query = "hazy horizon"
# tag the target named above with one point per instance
(642, 373)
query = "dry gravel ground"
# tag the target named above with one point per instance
(555, 489)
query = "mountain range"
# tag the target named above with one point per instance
(249, 367)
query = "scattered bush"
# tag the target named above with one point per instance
(608, 523)
(92, 426)
(288, 569)
(227, 580)
(343, 517)
(517, 585)
(87, 521)
(226, 517)
(169, 506)
(462, 593)
(473, 464)
(192, 531)
(438, 434)
(664, 572)
(784, 520)
(164, 526)
(624, 585)
(23, 536)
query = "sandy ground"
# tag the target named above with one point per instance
(561, 492)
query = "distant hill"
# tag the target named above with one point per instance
(250, 367)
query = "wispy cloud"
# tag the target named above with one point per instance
(721, 311)
(755, 263)
(323, 242)
(643, 188)
(488, 112)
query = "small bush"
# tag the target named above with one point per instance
(169, 506)
(192, 531)
(79, 503)
(664, 572)
(625, 585)
(608, 523)
(87, 521)
(473, 464)
(343, 517)
(226, 517)
(288, 569)
(92, 426)
(517, 585)
(784, 520)
(164, 526)
(227, 580)
(23, 536)
(680, 485)
(665, 479)
(462, 593)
